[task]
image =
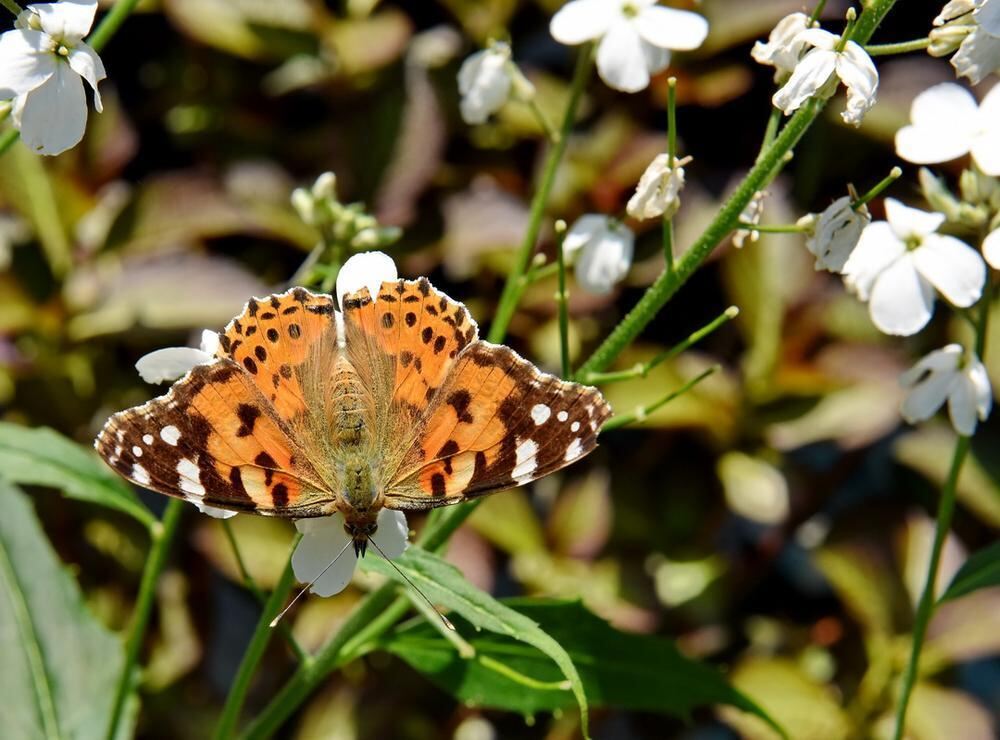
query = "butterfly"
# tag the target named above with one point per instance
(392, 403)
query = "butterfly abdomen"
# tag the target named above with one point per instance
(348, 405)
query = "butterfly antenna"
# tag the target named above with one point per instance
(447, 622)
(274, 622)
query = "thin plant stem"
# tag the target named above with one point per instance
(517, 677)
(817, 11)
(110, 23)
(162, 535)
(642, 369)
(512, 288)
(902, 47)
(894, 174)
(462, 646)
(668, 222)
(766, 167)
(255, 651)
(641, 413)
(942, 525)
(7, 140)
(774, 228)
(562, 301)
(252, 586)
(12, 7)
(543, 120)
(770, 132)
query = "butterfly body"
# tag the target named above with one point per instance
(392, 403)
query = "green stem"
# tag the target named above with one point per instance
(766, 167)
(817, 11)
(7, 140)
(12, 7)
(517, 677)
(252, 586)
(550, 133)
(643, 412)
(902, 47)
(774, 228)
(162, 536)
(562, 302)
(512, 288)
(110, 24)
(255, 651)
(770, 132)
(879, 188)
(672, 120)
(946, 509)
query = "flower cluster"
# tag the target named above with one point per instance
(971, 30)
(43, 62)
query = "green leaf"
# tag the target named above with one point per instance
(979, 571)
(60, 666)
(44, 457)
(620, 670)
(444, 584)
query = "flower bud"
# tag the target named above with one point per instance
(936, 193)
(948, 38)
(302, 202)
(325, 186)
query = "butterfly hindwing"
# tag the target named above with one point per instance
(216, 440)
(498, 422)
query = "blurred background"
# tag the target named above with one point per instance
(772, 521)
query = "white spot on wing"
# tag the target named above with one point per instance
(139, 475)
(170, 434)
(574, 450)
(562, 416)
(525, 460)
(137, 450)
(540, 413)
(147, 439)
(575, 426)
(190, 477)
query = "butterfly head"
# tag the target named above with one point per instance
(360, 529)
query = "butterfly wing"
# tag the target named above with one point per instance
(240, 433)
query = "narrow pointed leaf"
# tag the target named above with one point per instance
(979, 571)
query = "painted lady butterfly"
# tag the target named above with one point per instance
(306, 411)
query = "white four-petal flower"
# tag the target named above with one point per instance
(659, 189)
(948, 374)
(947, 123)
(836, 233)
(325, 539)
(636, 36)
(783, 47)
(898, 264)
(605, 248)
(484, 81)
(973, 26)
(851, 64)
(42, 62)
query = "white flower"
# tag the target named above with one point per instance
(751, 215)
(324, 539)
(972, 27)
(365, 270)
(852, 65)
(41, 63)
(784, 46)
(605, 249)
(947, 123)
(899, 263)
(948, 374)
(991, 249)
(484, 82)
(659, 189)
(636, 36)
(987, 15)
(836, 234)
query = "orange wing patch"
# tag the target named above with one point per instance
(272, 337)
(498, 422)
(213, 439)
(417, 329)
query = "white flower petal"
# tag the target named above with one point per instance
(857, 71)
(582, 20)
(951, 266)
(669, 28)
(605, 261)
(658, 191)
(25, 62)
(85, 62)
(837, 233)
(988, 17)
(583, 230)
(810, 74)
(783, 47)
(657, 59)
(392, 535)
(620, 59)
(324, 539)
(911, 223)
(209, 342)
(365, 270)
(877, 248)
(943, 125)
(962, 405)
(929, 383)
(991, 249)
(977, 377)
(901, 302)
(978, 56)
(819, 38)
(54, 116)
(213, 511)
(484, 82)
(170, 363)
(68, 20)
(986, 149)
